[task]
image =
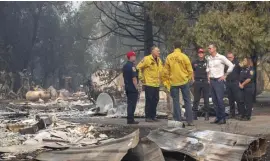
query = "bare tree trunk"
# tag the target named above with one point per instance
(254, 61)
(28, 60)
(148, 34)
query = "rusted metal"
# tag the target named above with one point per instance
(206, 145)
(114, 150)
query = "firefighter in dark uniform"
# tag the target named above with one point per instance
(246, 85)
(232, 83)
(201, 84)
(130, 75)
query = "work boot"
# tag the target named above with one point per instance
(215, 121)
(132, 122)
(206, 116)
(222, 121)
(245, 119)
(195, 115)
(149, 120)
(155, 120)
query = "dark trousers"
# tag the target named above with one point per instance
(217, 93)
(247, 101)
(151, 101)
(233, 91)
(176, 102)
(201, 87)
(132, 98)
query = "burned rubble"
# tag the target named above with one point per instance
(39, 129)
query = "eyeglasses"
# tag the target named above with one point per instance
(229, 57)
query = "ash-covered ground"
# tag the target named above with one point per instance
(73, 120)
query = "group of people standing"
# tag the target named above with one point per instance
(178, 73)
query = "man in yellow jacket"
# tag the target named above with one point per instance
(178, 70)
(150, 69)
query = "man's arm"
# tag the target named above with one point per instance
(135, 82)
(193, 67)
(228, 63)
(143, 64)
(165, 74)
(208, 71)
(134, 77)
(250, 76)
(189, 68)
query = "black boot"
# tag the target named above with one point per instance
(195, 117)
(132, 122)
(206, 116)
(222, 121)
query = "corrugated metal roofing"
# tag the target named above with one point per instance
(111, 151)
(206, 145)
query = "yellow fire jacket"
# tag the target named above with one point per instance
(150, 71)
(177, 69)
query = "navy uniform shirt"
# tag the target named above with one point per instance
(129, 72)
(234, 75)
(247, 73)
(199, 68)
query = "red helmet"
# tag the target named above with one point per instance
(130, 54)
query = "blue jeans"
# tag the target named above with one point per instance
(217, 93)
(176, 102)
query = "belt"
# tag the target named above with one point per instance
(201, 80)
(231, 81)
(214, 79)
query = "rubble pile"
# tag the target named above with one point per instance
(19, 136)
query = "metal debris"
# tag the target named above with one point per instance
(208, 145)
(111, 151)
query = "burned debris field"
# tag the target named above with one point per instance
(134, 81)
(70, 129)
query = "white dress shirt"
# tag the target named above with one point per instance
(216, 65)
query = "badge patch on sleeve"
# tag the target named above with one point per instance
(134, 69)
(251, 72)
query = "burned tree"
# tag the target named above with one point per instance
(129, 20)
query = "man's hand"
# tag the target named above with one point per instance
(139, 88)
(191, 82)
(241, 86)
(223, 78)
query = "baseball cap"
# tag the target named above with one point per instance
(200, 50)
(130, 54)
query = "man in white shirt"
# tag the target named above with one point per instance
(216, 76)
